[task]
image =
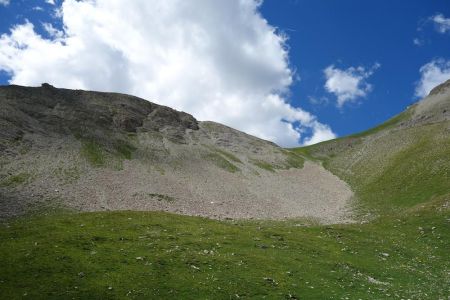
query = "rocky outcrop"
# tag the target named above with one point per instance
(440, 88)
(51, 111)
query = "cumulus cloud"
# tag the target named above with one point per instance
(219, 60)
(349, 84)
(51, 2)
(432, 74)
(442, 23)
(4, 2)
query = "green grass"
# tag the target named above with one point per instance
(263, 165)
(15, 180)
(228, 155)
(99, 155)
(93, 152)
(139, 255)
(412, 175)
(124, 149)
(221, 162)
(294, 160)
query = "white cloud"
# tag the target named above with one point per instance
(350, 84)
(51, 2)
(4, 2)
(442, 23)
(52, 31)
(219, 60)
(321, 133)
(432, 74)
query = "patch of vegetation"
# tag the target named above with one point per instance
(114, 255)
(263, 165)
(93, 152)
(221, 162)
(294, 160)
(15, 180)
(228, 155)
(124, 149)
(161, 197)
(224, 153)
(306, 152)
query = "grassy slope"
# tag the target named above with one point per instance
(402, 176)
(390, 169)
(156, 255)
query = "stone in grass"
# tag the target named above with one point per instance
(270, 280)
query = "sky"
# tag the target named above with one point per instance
(295, 72)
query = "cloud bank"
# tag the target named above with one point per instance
(350, 84)
(432, 74)
(218, 60)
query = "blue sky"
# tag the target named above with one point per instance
(383, 44)
(352, 33)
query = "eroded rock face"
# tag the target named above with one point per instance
(169, 122)
(51, 111)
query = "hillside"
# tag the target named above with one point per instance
(399, 164)
(92, 151)
(395, 248)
